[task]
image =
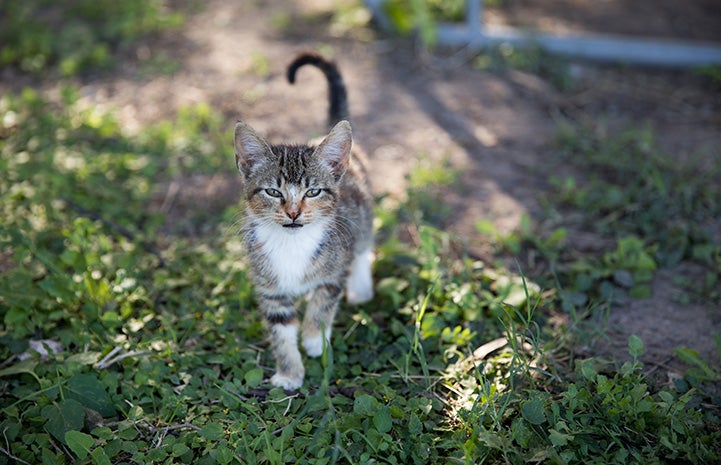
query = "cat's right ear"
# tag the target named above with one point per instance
(250, 148)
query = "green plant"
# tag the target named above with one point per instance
(531, 59)
(413, 16)
(78, 35)
(125, 341)
(654, 212)
(597, 418)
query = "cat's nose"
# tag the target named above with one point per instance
(293, 214)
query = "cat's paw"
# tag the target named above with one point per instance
(359, 287)
(359, 295)
(313, 346)
(289, 383)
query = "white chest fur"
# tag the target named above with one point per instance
(289, 253)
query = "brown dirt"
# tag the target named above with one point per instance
(497, 128)
(697, 19)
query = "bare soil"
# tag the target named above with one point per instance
(498, 129)
(697, 19)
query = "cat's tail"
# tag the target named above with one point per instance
(338, 99)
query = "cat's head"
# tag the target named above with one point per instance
(292, 186)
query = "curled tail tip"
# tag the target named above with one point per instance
(338, 109)
(305, 58)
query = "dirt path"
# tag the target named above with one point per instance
(496, 128)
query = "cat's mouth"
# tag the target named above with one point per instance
(293, 225)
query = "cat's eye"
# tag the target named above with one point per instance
(274, 193)
(313, 192)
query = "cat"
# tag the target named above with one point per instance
(308, 228)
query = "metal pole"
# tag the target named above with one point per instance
(598, 47)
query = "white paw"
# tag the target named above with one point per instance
(359, 295)
(313, 346)
(289, 383)
(359, 288)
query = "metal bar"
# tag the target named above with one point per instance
(598, 47)
(624, 49)
(474, 19)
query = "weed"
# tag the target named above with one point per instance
(531, 59)
(657, 209)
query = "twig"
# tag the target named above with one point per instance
(160, 433)
(7, 451)
(17, 459)
(167, 429)
(102, 363)
(288, 398)
(107, 360)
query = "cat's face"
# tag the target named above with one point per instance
(291, 187)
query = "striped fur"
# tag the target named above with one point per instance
(308, 229)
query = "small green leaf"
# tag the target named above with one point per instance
(640, 291)
(212, 432)
(223, 455)
(100, 457)
(179, 449)
(80, 443)
(84, 358)
(89, 391)
(65, 416)
(254, 377)
(588, 371)
(382, 420)
(26, 366)
(365, 405)
(486, 227)
(49, 458)
(103, 432)
(532, 411)
(415, 427)
(559, 439)
(693, 358)
(635, 346)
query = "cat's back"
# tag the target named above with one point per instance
(356, 188)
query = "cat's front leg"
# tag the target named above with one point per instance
(280, 317)
(319, 316)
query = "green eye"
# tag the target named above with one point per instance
(274, 193)
(313, 192)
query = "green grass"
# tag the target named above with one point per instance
(659, 210)
(162, 358)
(125, 340)
(41, 36)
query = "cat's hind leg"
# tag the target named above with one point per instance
(318, 319)
(359, 287)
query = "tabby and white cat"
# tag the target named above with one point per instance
(308, 228)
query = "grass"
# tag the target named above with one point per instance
(124, 339)
(42, 36)
(148, 350)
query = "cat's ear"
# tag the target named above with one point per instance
(334, 151)
(250, 148)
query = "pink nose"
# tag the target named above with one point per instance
(293, 214)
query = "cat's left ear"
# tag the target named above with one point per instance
(250, 148)
(334, 151)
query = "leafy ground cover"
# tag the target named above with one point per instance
(121, 345)
(124, 339)
(41, 36)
